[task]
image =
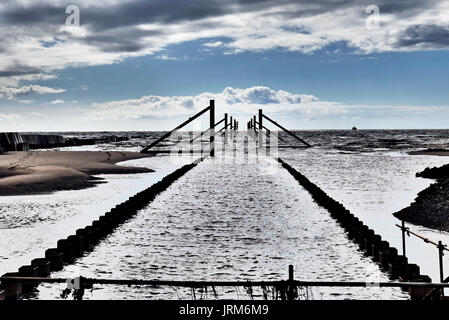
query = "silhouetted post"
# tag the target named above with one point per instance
(255, 133)
(230, 127)
(251, 127)
(260, 128)
(235, 125)
(191, 142)
(290, 283)
(440, 255)
(403, 234)
(226, 128)
(267, 144)
(212, 128)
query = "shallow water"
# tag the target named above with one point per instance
(211, 225)
(31, 224)
(373, 186)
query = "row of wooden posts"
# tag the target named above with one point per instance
(371, 243)
(14, 284)
(230, 125)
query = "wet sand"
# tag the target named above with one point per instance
(36, 172)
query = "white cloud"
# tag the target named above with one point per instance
(39, 114)
(57, 101)
(215, 44)
(165, 57)
(12, 93)
(25, 101)
(9, 116)
(246, 102)
(235, 100)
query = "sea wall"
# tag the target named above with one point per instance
(69, 142)
(13, 141)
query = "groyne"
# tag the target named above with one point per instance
(372, 244)
(84, 240)
(13, 141)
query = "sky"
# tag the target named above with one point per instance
(149, 64)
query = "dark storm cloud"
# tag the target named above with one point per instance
(102, 17)
(18, 70)
(114, 28)
(433, 35)
(33, 15)
(156, 11)
(119, 15)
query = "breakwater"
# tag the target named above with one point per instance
(13, 141)
(84, 240)
(372, 244)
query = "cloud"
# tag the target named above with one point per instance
(35, 40)
(247, 100)
(25, 101)
(57, 101)
(215, 44)
(425, 36)
(38, 114)
(165, 57)
(12, 93)
(9, 116)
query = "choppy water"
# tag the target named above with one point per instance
(228, 219)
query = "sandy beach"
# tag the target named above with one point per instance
(47, 171)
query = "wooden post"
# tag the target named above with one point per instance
(403, 234)
(288, 131)
(251, 127)
(255, 133)
(268, 143)
(290, 283)
(165, 136)
(260, 128)
(245, 145)
(440, 255)
(226, 128)
(212, 128)
(191, 142)
(230, 127)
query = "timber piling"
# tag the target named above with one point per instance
(84, 240)
(369, 242)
